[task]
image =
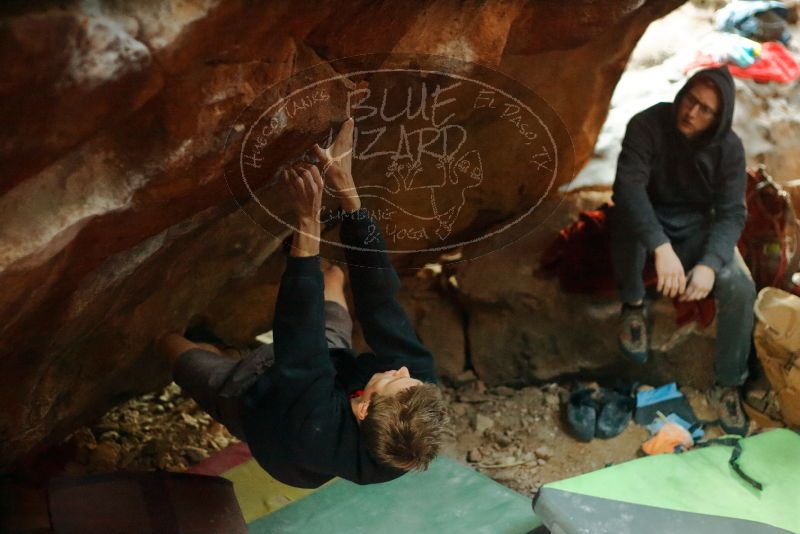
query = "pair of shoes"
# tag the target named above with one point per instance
(633, 333)
(727, 401)
(599, 413)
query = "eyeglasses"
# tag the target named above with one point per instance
(691, 101)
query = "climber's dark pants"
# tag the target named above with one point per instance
(733, 290)
(217, 383)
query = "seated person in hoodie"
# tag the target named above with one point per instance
(309, 408)
(679, 194)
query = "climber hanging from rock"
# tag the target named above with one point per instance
(309, 408)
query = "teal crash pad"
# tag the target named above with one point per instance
(448, 497)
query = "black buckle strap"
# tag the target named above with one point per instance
(733, 461)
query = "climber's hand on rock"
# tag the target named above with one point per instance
(305, 188)
(336, 162)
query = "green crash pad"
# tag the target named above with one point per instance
(696, 492)
(448, 497)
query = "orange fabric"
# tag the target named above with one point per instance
(667, 439)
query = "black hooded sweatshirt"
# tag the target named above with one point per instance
(297, 418)
(669, 187)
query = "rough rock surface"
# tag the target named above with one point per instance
(522, 328)
(115, 222)
(438, 320)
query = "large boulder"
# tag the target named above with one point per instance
(116, 224)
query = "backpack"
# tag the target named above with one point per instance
(777, 341)
(769, 240)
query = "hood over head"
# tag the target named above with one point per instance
(721, 77)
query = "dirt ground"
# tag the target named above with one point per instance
(515, 436)
(521, 439)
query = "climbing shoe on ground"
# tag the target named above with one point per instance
(633, 333)
(616, 411)
(728, 403)
(582, 413)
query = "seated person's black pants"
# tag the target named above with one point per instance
(733, 290)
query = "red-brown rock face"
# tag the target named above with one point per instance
(115, 221)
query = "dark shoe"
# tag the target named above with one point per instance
(615, 413)
(728, 403)
(633, 333)
(582, 414)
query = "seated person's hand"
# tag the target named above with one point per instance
(700, 281)
(305, 188)
(671, 278)
(336, 161)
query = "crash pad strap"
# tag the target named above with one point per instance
(734, 459)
